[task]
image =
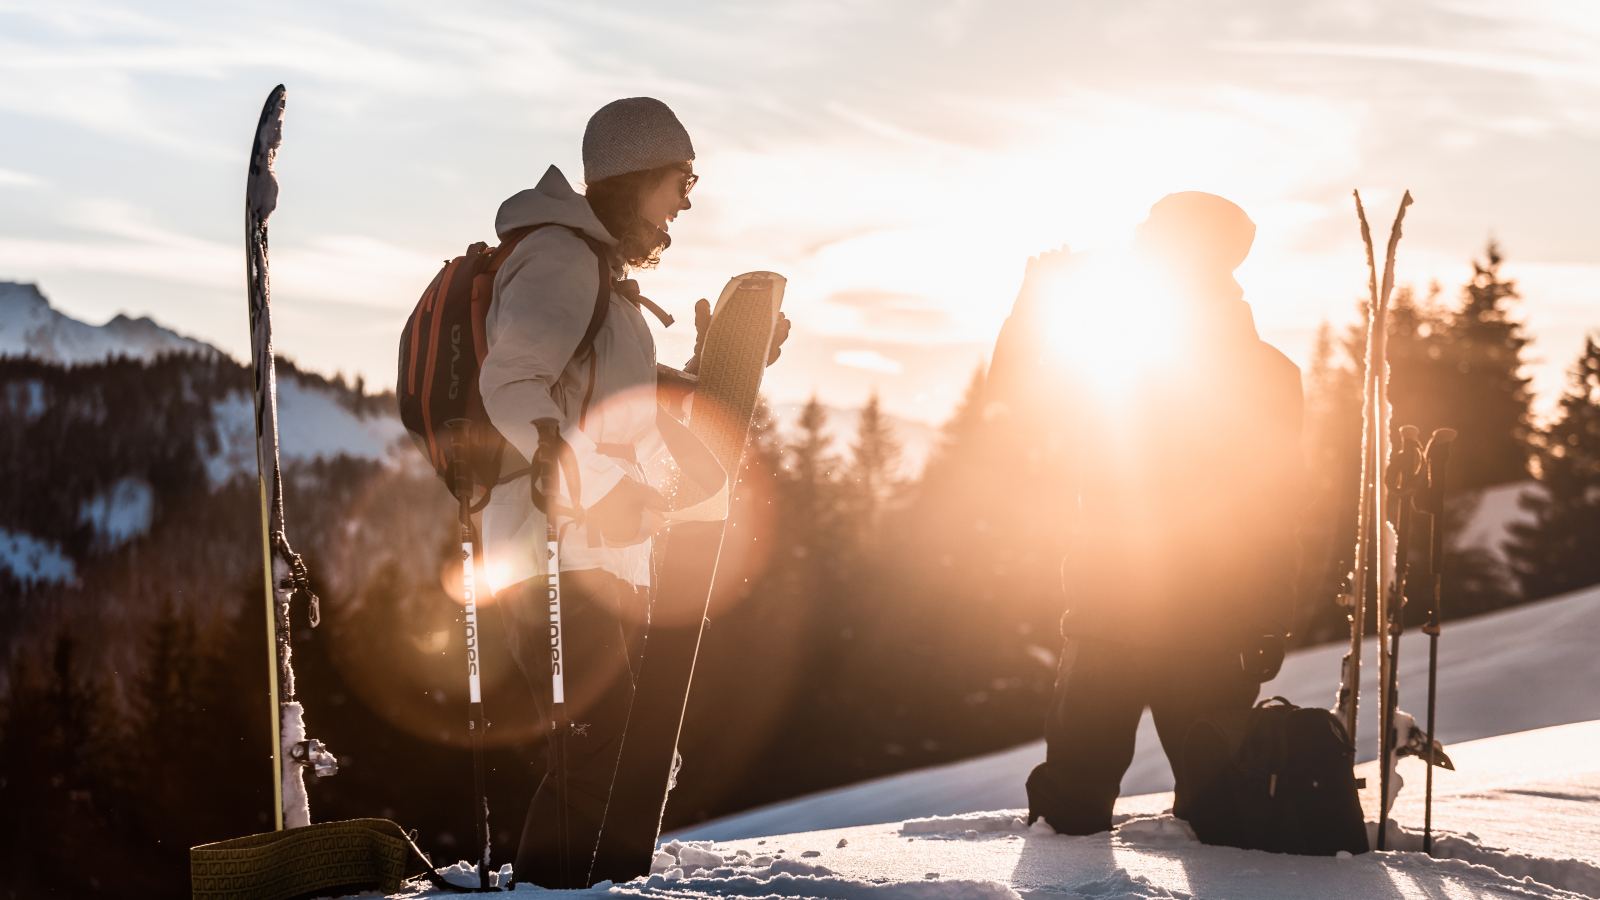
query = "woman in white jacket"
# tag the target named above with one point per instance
(639, 169)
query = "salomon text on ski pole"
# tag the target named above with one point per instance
(461, 482)
(1438, 455)
(547, 465)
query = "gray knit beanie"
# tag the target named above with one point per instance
(632, 135)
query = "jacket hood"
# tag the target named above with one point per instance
(551, 201)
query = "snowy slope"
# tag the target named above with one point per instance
(1520, 817)
(29, 327)
(315, 419)
(311, 423)
(1495, 511)
(1522, 668)
(1517, 820)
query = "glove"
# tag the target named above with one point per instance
(702, 322)
(623, 515)
(1262, 658)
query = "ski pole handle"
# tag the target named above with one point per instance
(1438, 454)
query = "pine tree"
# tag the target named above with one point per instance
(1331, 443)
(1488, 398)
(875, 459)
(812, 467)
(1557, 551)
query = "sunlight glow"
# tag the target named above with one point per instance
(1111, 317)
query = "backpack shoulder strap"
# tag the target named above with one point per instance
(602, 254)
(602, 299)
(497, 256)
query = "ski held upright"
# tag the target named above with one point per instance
(284, 573)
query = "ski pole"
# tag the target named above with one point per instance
(1438, 455)
(1405, 465)
(460, 446)
(547, 468)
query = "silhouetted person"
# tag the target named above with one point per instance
(1179, 576)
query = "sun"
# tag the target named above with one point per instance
(1112, 318)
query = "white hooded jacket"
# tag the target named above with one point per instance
(544, 297)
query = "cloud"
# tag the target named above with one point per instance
(17, 179)
(897, 162)
(871, 360)
(1582, 72)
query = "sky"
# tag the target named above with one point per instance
(897, 161)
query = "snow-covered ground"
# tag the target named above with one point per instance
(1520, 816)
(1495, 511)
(311, 423)
(1517, 819)
(32, 560)
(1522, 668)
(30, 327)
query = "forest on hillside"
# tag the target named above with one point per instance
(863, 623)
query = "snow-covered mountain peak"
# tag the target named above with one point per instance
(29, 326)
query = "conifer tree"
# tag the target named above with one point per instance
(1557, 551)
(1487, 400)
(812, 469)
(875, 459)
(1331, 441)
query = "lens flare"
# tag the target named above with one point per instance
(1112, 318)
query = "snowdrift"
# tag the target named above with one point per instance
(1517, 820)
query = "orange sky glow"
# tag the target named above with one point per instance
(898, 162)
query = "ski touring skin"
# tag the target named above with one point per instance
(731, 366)
(284, 572)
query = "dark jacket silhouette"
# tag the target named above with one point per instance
(1182, 562)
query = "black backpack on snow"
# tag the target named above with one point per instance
(443, 345)
(1277, 777)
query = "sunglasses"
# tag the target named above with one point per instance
(689, 181)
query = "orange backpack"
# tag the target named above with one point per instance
(442, 349)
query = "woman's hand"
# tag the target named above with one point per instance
(702, 323)
(1039, 276)
(628, 513)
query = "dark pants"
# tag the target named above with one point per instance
(1102, 688)
(603, 624)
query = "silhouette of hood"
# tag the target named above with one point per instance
(551, 201)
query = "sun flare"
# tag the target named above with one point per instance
(1110, 318)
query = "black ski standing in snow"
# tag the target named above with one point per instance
(284, 572)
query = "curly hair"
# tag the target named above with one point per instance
(615, 202)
